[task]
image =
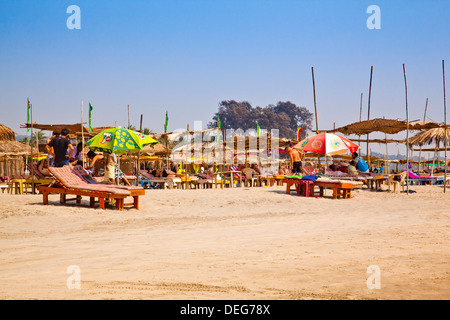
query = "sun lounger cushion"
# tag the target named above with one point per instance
(72, 180)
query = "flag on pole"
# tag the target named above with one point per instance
(90, 113)
(28, 113)
(167, 122)
(299, 130)
(258, 130)
(219, 125)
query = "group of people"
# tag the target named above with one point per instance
(61, 153)
(355, 166)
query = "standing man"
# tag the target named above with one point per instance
(51, 160)
(296, 159)
(60, 144)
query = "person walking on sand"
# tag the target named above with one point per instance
(296, 159)
(60, 144)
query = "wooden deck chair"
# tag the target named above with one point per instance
(76, 181)
(309, 170)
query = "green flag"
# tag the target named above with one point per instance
(258, 130)
(167, 122)
(28, 113)
(90, 113)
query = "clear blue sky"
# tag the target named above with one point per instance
(186, 56)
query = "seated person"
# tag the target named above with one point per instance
(333, 167)
(256, 168)
(351, 168)
(342, 167)
(361, 165)
(94, 164)
(76, 155)
(43, 166)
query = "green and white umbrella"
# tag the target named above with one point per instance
(120, 140)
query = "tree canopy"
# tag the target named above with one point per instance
(284, 116)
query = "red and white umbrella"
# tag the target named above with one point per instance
(327, 144)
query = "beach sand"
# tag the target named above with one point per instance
(242, 243)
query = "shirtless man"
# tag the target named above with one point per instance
(296, 159)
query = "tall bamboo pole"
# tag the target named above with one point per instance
(407, 131)
(31, 139)
(315, 109)
(315, 105)
(368, 114)
(360, 118)
(139, 156)
(445, 127)
(129, 117)
(424, 118)
(82, 133)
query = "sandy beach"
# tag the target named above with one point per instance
(243, 243)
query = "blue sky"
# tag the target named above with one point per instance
(187, 56)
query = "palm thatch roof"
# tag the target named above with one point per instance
(436, 135)
(389, 126)
(156, 150)
(6, 134)
(8, 144)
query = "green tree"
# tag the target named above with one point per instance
(284, 116)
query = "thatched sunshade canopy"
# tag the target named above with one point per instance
(8, 144)
(389, 126)
(436, 135)
(75, 129)
(12, 153)
(155, 150)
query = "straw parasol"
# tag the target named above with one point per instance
(155, 150)
(436, 135)
(12, 153)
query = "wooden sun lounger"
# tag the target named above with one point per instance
(102, 196)
(75, 181)
(306, 188)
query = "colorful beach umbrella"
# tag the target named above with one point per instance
(327, 144)
(119, 140)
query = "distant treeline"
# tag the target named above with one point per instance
(284, 116)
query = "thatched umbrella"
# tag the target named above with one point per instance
(155, 150)
(12, 153)
(436, 136)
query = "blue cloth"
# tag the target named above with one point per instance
(312, 178)
(361, 165)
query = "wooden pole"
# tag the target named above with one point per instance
(129, 117)
(315, 109)
(31, 139)
(139, 155)
(407, 131)
(368, 113)
(315, 105)
(424, 118)
(445, 127)
(360, 118)
(82, 133)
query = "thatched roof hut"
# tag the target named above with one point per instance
(12, 153)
